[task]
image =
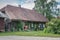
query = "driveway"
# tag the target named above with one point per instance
(26, 38)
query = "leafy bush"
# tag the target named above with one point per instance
(19, 25)
(53, 26)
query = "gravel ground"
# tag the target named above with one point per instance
(26, 38)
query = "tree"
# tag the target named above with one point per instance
(58, 12)
(48, 9)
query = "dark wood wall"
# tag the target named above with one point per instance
(2, 24)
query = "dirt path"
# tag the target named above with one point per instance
(26, 38)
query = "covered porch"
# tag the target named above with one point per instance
(19, 26)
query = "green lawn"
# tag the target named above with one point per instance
(31, 33)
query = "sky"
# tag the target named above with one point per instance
(58, 6)
(29, 4)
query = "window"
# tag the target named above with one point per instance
(41, 26)
(3, 11)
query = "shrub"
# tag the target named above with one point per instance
(19, 25)
(53, 26)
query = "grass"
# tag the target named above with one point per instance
(31, 33)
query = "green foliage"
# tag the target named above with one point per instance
(19, 25)
(48, 9)
(53, 26)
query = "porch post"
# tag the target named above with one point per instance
(29, 26)
(23, 23)
(32, 26)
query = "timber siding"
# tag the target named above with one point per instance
(2, 24)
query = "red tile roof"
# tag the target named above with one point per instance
(18, 13)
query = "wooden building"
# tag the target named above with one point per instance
(14, 15)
